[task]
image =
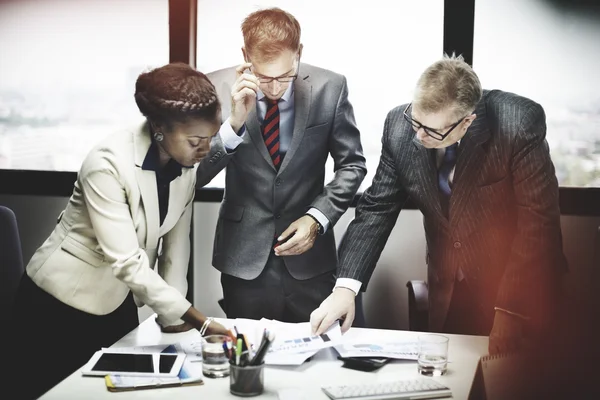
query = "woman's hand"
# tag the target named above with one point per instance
(198, 321)
(215, 328)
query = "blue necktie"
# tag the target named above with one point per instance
(444, 171)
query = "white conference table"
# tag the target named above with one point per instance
(323, 369)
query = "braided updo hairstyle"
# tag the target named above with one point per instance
(176, 93)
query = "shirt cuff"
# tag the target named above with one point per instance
(348, 283)
(230, 139)
(512, 313)
(320, 217)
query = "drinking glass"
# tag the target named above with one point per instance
(433, 355)
(215, 363)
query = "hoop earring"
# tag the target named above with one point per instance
(158, 136)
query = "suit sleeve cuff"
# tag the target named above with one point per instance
(320, 217)
(512, 313)
(173, 316)
(164, 323)
(348, 283)
(230, 139)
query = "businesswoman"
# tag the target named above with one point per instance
(130, 210)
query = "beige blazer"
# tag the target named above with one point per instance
(107, 239)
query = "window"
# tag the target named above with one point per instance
(68, 75)
(380, 46)
(547, 51)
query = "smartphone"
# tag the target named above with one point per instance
(282, 242)
(364, 363)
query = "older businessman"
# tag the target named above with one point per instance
(476, 163)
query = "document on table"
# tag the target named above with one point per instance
(405, 350)
(188, 375)
(297, 338)
(294, 342)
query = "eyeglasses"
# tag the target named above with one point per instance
(434, 133)
(281, 79)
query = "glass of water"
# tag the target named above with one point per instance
(433, 355)
(215, 363)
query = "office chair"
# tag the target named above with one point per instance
(11, 258)
(418, 306)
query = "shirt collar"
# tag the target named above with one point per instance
(286, 95)
(152, 163)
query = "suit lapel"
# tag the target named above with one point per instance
(468, 164)
(256, 135)
(178, 190)
(425, 167)
(147, 184)
(302, 101)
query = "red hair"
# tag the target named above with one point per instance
(270, 31)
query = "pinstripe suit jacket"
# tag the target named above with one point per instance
(503, 228)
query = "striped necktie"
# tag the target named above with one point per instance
(270, 131)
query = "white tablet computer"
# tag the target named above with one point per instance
(105, 362)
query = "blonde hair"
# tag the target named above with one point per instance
(449, 83)
(270, 31)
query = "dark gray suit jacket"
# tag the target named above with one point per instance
(503, 229)
(260, 202)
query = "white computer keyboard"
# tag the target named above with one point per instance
(420, 388)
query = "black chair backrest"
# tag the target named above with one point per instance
(11, 258)
(418, 306)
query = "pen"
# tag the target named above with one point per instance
(247, 344)
(238, 351)
(262, 350)
(244, 358)
(226, 350)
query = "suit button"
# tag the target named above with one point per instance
(277, 182)
(457, 245)
(278, 216)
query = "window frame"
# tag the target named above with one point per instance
(459, 21)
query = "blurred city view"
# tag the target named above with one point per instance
(55, 130)
(574, 139)
(67, 75)
(68, 69)
(46, 133)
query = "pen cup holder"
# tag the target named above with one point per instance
(246, 381)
